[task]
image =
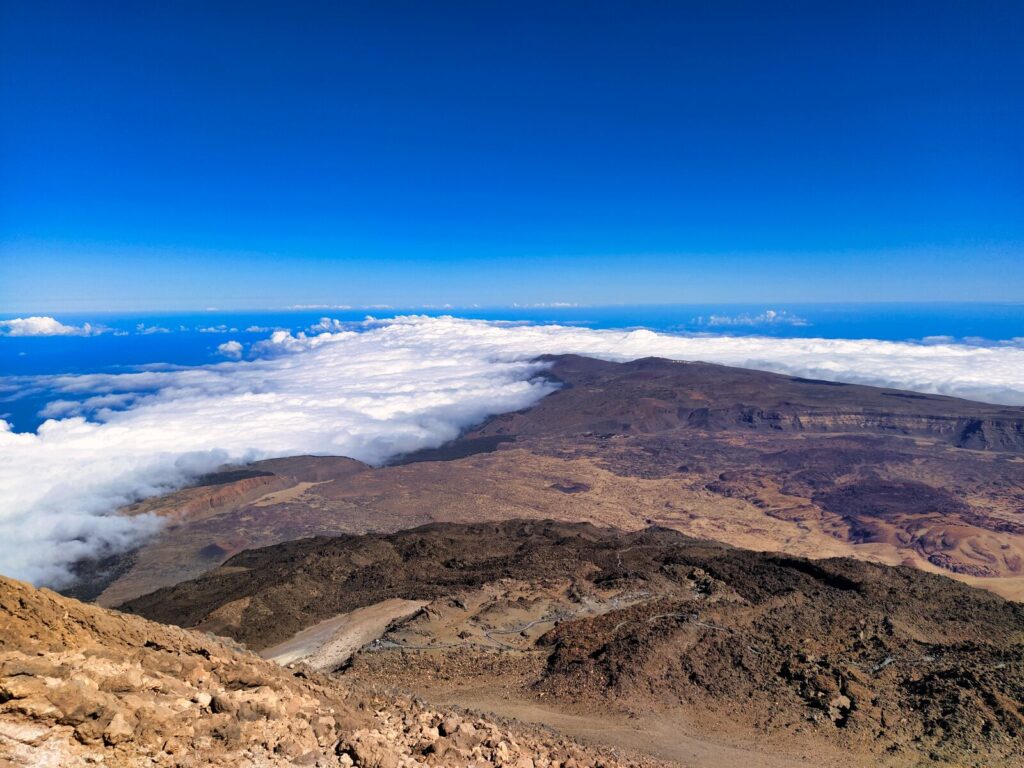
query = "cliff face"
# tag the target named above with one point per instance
(991, 434)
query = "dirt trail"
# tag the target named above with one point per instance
(286, 494)
(329, 644)
(664, 738)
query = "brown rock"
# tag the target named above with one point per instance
(448, 725)
(129, 680)
(22, 687)
(371, 750)
(18, 665)
(118, 730)
(77, 703)
(466, 736)
(90, 730)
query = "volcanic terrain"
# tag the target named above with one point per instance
(662, 560)
(694, 651)
(757, 460)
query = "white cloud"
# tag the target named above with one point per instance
(44, 326)
(281, 342)
(232, 349)
(768, 317)
(147, 330)
(319, 306)
(222, 328)
(390, 387)
(60, 409)
(328, 325)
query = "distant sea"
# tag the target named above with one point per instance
(132, 340)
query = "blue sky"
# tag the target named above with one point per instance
(185, 155)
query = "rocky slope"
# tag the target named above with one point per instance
(888, 665)
(81, 685)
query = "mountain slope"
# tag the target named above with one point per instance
(885, 664)
(754, 459)
(81, 685)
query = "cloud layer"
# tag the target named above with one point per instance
(43, 326)
(389, 387)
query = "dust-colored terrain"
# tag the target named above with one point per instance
(757, 460)
(329, 644)
(783, 629)
(82, 685)
(695, 651)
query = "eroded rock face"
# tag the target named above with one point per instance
(81, 685)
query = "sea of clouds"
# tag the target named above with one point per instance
(369, 391)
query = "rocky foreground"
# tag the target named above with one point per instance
(883, 665)
(81, 685)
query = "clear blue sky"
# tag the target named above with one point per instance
(188, 154)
